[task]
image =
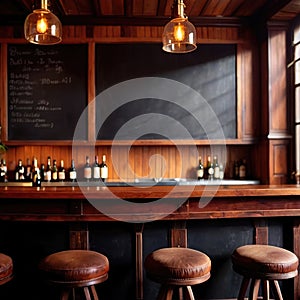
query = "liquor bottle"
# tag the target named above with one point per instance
(96, 169)
(200, 170)
(62, 172)
(54, 172)
(103, 169)
(236, 170)
(87, 171)
(216, 168)
(42, 172)
(243, 170)
(48, 173)
(209, 168)
(221, 171)
(19, 171)
(72, 172)
(36, 176)
(28, 174)
(3, 171)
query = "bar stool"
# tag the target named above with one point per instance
(177, 268)
(6, 268)
(72, 269)
(266, 264)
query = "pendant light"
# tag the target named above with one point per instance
(179, 35)
(42, 26)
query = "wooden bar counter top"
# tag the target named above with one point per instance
(183, 202)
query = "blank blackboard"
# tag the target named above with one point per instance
(145, 93)
(47, 91)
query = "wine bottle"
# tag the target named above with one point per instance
(3, 171)
(36, 177)
(209, 168)
(96, 169)
(28, 174)
(54, 171)
(216, 168)
(221, 171)
(61, 171)
(243, 170)
(19, 171)
(48, 173)
(103, 169)
(42, 172)
(200, 170)
(72, 172)
(87, 171)
(236, 170)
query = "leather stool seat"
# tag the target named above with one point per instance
(177, 267)
(263, 263)
(6, 268)
(72, 269)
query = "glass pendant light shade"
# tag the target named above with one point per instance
(43, 27)
(179, 35)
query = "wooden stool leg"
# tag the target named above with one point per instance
(188, 293)
(276, 290)
(254, 288)
(94, 292)
(266, 290)
(243, 289)
(87, 293)
(65, 294)
(180, 293)
(165, 293)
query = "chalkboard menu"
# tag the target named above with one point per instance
(145, 93)
(47, 91)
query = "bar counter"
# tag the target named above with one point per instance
(187, 209)
(183, 202)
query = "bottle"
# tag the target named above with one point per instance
(209, 168)
(54, 172)
(96, 169)
(72, 172)
(61, 171)
(243, 170)
(42, 172)
(200, 170)
(3, 171)
(87, 171)
(28, 175)
(103, 169)
(236, 170)
(36, 177)
(19, 171)
(221, 171)
(216, 168)
(48, 173)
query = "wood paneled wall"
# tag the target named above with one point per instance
(161, 160)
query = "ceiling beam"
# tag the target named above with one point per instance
(271, 8)
(133, 21)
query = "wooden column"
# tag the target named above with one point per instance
(261, 232)
(276, 119)
(139, 261)
(296, 235)
(179, 235)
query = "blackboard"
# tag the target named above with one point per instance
(47, 91)
(145, 93)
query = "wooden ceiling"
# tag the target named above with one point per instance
(151, 12)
